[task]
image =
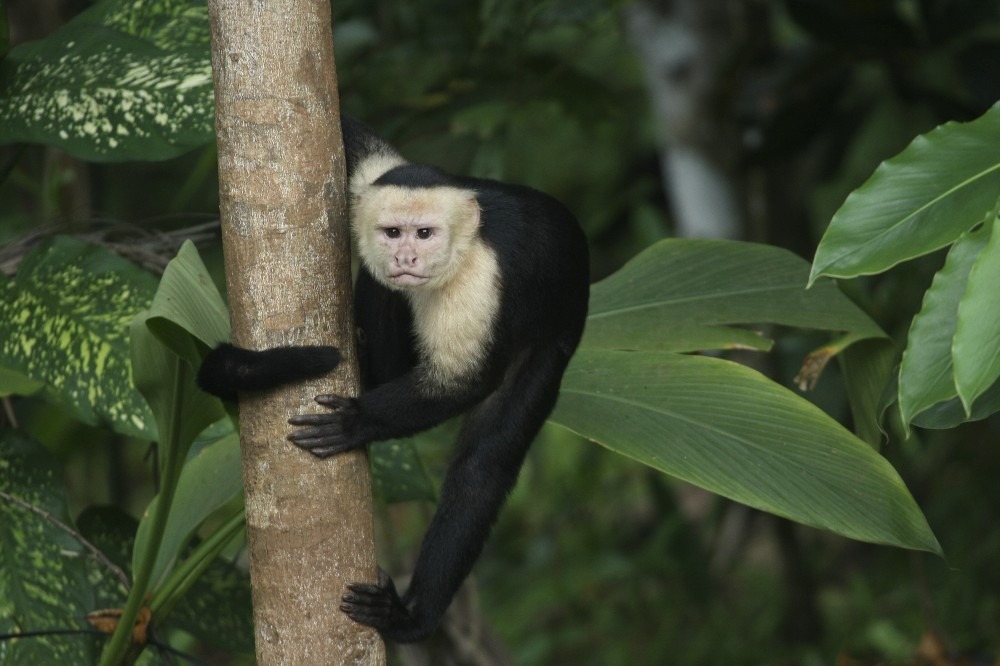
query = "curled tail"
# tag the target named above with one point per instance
(228, 369)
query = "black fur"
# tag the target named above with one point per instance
(544, 275)
(418, 176)
(360, 142)
(228, 369)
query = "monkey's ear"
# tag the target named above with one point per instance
(471, 210)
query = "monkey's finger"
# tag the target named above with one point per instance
(331, 431)
(370, 589)
(369, 601)
(324, 452)
(372, 617)
(332, 400)
(312, 419)
(319, 437)
(317, 442)
(324, 447)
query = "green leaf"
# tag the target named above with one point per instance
(728, 429)
(686, 295)
(167, 383)
(926, 372)
(64, 324)
(868, 367)
(217, 608)
(398, 475)
(43, 571)
(165, 357)
(946, 415)
(112, 531)
(397, 472)
(188, 307)
(13, 382)
(208, 481)
(181, 411)
(977, 334)
(944, 183)
(126, 79)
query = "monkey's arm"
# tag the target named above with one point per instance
(402, 407)
(491, 448)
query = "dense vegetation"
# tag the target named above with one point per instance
(600, 558)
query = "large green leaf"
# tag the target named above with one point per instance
(926, 372)
(944, 183)
(977, 334)
(687, 295)
(188, 314)
(728, 429)
(43, 571)
(208, 481)
(186, 306)
(64, 324)
(126, 79)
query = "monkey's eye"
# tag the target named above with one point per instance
(425, 233)
(391, 232)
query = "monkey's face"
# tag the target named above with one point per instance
(411, 247)
(414, 238)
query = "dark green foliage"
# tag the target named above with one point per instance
(44, 581)
(598, 560)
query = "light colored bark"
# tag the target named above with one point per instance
(286, 243)
(681, 45)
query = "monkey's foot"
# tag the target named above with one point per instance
(379, 606)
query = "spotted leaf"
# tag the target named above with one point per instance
(126, 79)
(64, 327)
(43, 570)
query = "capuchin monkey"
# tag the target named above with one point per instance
(471, 299)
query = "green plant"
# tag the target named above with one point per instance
(96, 339)
(941, 191)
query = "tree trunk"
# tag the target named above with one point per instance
(286, 243)
(682, 45)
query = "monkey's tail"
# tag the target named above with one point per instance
(228, 369)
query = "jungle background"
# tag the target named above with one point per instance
(781, 109)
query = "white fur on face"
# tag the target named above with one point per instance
(456, 307)
(451, 213)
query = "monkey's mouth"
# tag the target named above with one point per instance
(408, 279)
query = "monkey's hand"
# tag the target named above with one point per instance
(330, 432)
(379, 606)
